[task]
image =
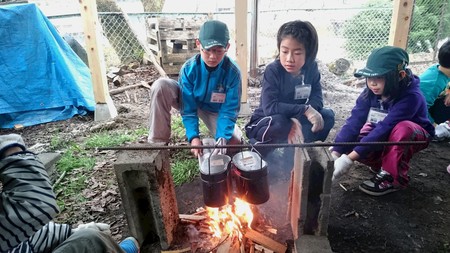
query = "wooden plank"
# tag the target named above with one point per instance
(192, 217)
(401, 20)
(94, 50)
(299, 192)
(180, 23)
(241, 43)
(178, 35)
(265, 241)
(177, 58)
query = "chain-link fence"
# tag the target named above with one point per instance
(349, 33)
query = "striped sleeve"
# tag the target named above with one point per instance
(49, 237)
(27, 201)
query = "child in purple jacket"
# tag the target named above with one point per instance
(390, 109)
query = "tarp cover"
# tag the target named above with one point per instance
(41, 78)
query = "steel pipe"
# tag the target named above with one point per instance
(278, 145)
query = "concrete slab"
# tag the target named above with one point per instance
(49, 160)
(312, 244)
(105, 111)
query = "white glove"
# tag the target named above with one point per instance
(92, 225)
(11, 140)
(315, 118)
(220, 142)
(442, 131)
(341, 166)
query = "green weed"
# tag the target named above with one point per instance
(76, 159)
(184, 167)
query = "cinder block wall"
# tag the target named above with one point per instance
(148, 195)
(311, 199)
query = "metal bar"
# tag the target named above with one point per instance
(278, 145)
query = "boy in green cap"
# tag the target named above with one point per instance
(391, 109)
(208, 88)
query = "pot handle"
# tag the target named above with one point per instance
(253, 149)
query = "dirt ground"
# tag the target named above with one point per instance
(411, 220)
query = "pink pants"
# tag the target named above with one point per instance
(395, 159)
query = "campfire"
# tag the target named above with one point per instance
(236, 227)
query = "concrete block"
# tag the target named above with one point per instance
(311, 191)
(148, 195)
(49, 160)
(322, 157)
(312, 244)
(324, 215)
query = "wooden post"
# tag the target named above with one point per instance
(401, 20)
(241, 50)
(254, 41)
(104, 108)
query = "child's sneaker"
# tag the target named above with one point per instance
(374, 170)
(130, 245)
(379, 185)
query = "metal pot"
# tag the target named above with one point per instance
(214, 172)
(251, 177)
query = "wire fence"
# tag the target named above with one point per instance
(349, 33)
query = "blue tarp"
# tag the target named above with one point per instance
(41, 78)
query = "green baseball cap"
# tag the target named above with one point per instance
(214, 33)
(383, 60)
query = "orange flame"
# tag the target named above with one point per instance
(230, 219)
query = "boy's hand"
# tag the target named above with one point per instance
(220, 142)
(196, 151)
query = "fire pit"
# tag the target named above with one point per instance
(149, 201)
(237, 227)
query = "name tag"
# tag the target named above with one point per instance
(218, 97)
(302, 91)
(376, 115)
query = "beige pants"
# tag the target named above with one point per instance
(164, 95)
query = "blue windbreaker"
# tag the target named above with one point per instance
(197, 84)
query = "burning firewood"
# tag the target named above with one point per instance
(265, 241)
(192, 217)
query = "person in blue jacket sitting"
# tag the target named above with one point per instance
(435, 86)
(208, 88)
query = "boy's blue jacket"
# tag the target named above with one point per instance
(197, 84)
(410, 105)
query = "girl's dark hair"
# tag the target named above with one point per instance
(393, 85)
(302, 31)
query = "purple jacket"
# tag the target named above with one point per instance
(410, 105)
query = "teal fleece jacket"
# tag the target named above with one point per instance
(197, 84)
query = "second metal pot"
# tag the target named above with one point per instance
(251, 177)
